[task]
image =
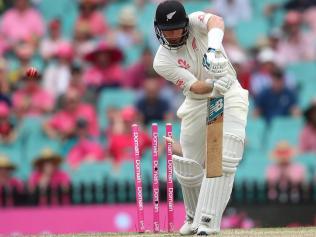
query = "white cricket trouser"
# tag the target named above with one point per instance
(193, 128)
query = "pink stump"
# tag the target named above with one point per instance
(170, 200)
(155, 176)
(138, 180)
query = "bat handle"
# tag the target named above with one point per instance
(215, 93)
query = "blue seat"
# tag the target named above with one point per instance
(248, 32)
(284, 128)
(255, 133)
(304, 72)
(309, 161)
(57, 8)
(307, 93)
(117, 98)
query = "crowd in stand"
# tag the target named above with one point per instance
(76, 70)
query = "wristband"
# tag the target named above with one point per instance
(215, 38)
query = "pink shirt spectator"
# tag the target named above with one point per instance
(20, 26)
(95, 23)
(304, 49)
(83, 151)
(308, 139)
(294, 173)
(112, 75)
(121, 146)
(85, 111)
(59, 178)
(33, 102)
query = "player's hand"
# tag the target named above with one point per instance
(223, 84)
(215, 63)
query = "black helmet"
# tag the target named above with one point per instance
(171, 15)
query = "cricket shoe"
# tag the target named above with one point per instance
(205, 227)
(187, 228)
(205, 230)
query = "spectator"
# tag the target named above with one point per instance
(76, 81)
(47, 172)
(83, 42)
(22, 23)
(242, 68)
(308, 134)
(6, 177)
(231, 11)
(120, 141)
(295, 40)
(4, 84)
(290, 5)
(105, 70)
(309, 19)
(262, 77)
(7, 131)
(87, 149)
(24, 53)
(72, 110)
(284, 173)
(231, 44)
(91, 18)
(126, 35)
(276, 100)
(52, 43)
(57, 75)
(151, 105)
(31, 99)
(136, 73)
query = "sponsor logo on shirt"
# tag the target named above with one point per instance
(182, 63)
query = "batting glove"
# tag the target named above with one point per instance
(223, 84)
(216, 65)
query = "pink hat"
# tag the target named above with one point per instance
(129, 113)
(65, 51)
(114, 53)
(4, 109)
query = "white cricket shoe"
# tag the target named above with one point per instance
(206, 230)
(187, 228)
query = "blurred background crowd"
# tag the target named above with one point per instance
(72, 124)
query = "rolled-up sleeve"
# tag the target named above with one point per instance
(175, 74)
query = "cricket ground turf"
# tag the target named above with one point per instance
(256, 232)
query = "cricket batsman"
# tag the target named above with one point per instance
(191, 56)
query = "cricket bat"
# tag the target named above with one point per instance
(214, 136)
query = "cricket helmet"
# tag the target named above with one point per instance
(171, 15)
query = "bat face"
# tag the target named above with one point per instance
(214, 139)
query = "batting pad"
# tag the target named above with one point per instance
(189, 174)
(215, 192)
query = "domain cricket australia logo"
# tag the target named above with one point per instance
(170, 15)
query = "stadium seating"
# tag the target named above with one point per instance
(284, 128)
(248, 32)
(255, 133)
(117, 98)
(309, 161)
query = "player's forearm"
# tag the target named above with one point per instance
(215, 28)
(201, 87)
